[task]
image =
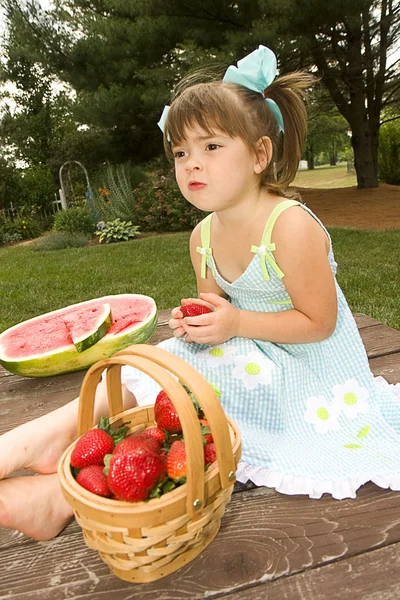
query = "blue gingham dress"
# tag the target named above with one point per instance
(313, 418)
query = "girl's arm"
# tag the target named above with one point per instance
(301, 253)
(207, 285)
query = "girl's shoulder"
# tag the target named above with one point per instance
(297, 226)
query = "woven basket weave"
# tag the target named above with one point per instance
(144, 541)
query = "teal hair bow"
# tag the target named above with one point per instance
(163, 118)
(256, 71)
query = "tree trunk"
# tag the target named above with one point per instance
(365, 156)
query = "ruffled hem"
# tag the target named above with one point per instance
(296, 484)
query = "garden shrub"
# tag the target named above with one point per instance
(113, 197)
(59, 241)
(116, 231)
(26, 227)
(74, 220)
(389, 153)
(160, 206)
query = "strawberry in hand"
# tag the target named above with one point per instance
(194, 310)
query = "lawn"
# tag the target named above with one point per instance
(36, 282)
(325, 177)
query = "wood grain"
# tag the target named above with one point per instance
(264, 536)
(369, 576)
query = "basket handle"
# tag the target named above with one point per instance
(181, 401)
(205, 396)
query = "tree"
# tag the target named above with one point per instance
(349, 42)
(122, 57)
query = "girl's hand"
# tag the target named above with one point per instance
(175, 322)
(212, 328)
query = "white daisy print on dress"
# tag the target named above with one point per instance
(351, 398)
(216, 356)
(321, 414)
(254, 369)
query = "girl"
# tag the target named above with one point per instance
(281, 344)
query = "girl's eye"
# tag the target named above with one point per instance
(179, 154)
(212, 146)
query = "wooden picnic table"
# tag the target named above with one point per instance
(269, 546)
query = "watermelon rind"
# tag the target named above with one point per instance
(67, 359)
(97, 332)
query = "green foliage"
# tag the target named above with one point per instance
(37, 188)
(160, 206)
(389, 153)
(10, 238)
(21, 228)
(116, 231)
(114, 198)
(74, 220)
(59, 241)
(26, 227)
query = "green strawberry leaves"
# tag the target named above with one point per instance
(117, 435)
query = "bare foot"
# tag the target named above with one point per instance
(44, 515)
(38, 445)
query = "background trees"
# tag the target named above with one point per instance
(118, 60)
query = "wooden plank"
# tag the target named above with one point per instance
(387, 366)
(380, 340)
(370, 576)
(364, 320)
(264, 536)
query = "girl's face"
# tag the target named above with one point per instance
(214, 172)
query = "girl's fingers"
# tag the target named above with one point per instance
(176, 313)
(174, 323)
(179, 332)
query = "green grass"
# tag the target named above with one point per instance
(33, 283)
(326, 176)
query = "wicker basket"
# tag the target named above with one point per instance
(144, 541)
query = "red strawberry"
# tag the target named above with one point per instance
(154, 433)
(136, 441)
(165, 414)
(210, 454)
(194, 310)
(91, 448)
(92, 478)
(133, 474)
(176, 461)
(205, 431)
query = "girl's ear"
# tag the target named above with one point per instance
(263, 154)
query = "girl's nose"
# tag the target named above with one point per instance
(193, 163)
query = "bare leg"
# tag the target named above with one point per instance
(44, 515)
(38, 445)
(35, 504)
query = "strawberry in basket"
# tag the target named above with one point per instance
(93, 446)
(134, 472)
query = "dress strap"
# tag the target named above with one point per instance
(205, 249)
(265, 249)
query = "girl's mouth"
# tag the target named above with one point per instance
(196, 185)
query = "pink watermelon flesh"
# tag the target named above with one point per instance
(77, 322)
(51, 332)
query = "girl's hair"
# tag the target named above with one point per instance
(240, 112)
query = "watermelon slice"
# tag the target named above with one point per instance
(87, 326)
(44, 345)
